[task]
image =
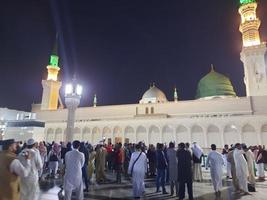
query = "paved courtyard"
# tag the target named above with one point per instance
(51, 189)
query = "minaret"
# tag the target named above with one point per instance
(175, 95)
(253, 51)
(51, 85)
(95, 100)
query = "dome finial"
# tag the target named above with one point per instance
(95, 100)
(153, 84)
(212, 68)
(175, 95)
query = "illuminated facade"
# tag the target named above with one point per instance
(51, 85)
(254, 51)
(216, 116)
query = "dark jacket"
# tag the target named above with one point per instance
(86, 155)
(196, 160)
(184, 165)
(151, 155)
(264, 156)
(161, 160)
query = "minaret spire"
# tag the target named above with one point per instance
(51, 85)
(53, 67)
(175, 95)
(212, 67)
(250, 24)
(95, 100)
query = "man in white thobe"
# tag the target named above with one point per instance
(226, 163)
(137, 168)
(197, 153)
(215, 162)
(241, 168)
(73, 181)
(250, 160)
(172, 165)
(29, 187)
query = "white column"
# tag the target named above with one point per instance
(72, 102)
(222, 138)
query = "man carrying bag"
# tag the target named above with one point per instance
(137, 169)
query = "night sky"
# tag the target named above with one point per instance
(118, 47)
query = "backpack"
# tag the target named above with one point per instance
(53, 157)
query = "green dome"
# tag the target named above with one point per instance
(214, 84)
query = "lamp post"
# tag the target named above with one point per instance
(73, 92)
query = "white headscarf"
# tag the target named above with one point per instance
(197, 150)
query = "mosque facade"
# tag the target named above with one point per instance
(216, 116)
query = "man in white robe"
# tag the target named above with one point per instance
(74, 161)
(172, 165)
(197, 159)
(241, 168)
(226, 163)
(215, 162)
(250, 160)
(137, 168)
(29, 187)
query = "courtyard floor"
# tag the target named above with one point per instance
(51, 190)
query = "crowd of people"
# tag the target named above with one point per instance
(23, 165)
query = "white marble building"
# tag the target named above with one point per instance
(218, 121)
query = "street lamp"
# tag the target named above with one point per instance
(73, 92)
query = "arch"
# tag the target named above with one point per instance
(197, 135)
(77, 134)
(264, 128)
(230, 134)
(249, 135)
(154, 135)
(167, 134)
(213, 129)
(264, 134)
(117, 134)
(129, 134)
(86, 134)
(182, 134)
(96, 136)
(248, 128)
(59, 135)
(107, 133)
(141, 134)
(213, 136)
(50, 136)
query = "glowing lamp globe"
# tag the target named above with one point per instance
(68, 89)
(79, 90)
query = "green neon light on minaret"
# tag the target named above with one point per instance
(242, 2)
(54, 60)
